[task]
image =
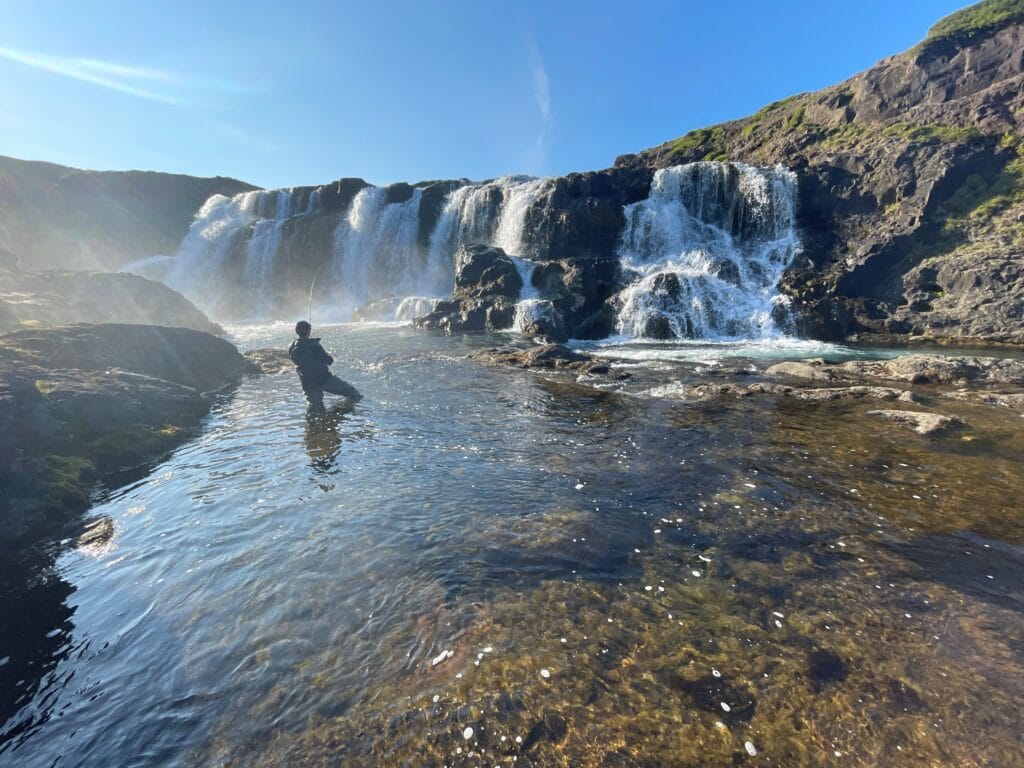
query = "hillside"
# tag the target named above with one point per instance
(911, 196)
(57, 217)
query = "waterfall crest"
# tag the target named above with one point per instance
(705, 252)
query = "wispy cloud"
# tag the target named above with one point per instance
(142, 82)
(541, 91)
(134, 81)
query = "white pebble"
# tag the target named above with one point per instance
(696, 573)
(545, 674)
(726, 707)
(468, 733)
(442, 656)
(648, 588)
(751, 749)
(437, 698)
(519, 739)
(716, 673)
(488, 649)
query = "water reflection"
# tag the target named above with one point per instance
(324, 436)
(35, 634)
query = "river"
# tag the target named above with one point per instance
(483, 566)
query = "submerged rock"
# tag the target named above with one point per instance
(923, 423)
(824, 668)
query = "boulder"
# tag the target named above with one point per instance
(487, 286)
(270, 361)
(814, 370)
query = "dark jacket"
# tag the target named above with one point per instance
(311, 361)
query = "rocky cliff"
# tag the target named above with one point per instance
(911, 184)
(57, 217)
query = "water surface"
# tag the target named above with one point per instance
(621, 580)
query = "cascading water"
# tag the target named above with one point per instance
(376, 252)
(706, 250)
(252, 256)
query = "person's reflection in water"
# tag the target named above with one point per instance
(323, 440)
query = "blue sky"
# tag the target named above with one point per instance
(283, 94)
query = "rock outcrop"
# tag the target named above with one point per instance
(545, 356)
(487, 286)
(81, 401)
(54, 298)
(910, 185)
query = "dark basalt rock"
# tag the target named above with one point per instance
(78, 402)
(487, 286)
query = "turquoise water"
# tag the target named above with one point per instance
(277, 591)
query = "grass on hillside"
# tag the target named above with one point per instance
(976, 19)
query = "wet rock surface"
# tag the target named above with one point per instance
(913, 369)
(48, 299)
(270, 361)
(84, 400)
(922, 423)
(487, 286)
(547, 356)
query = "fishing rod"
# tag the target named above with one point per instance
(309, 308)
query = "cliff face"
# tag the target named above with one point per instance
(57, 217)
(911, 184)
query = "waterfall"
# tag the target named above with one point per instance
(493, 213)
(252, 256)
(705, 252)
(377, 254)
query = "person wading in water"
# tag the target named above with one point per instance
(311, 362)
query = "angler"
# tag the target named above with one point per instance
(311, 362)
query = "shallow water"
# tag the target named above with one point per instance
(276, 591)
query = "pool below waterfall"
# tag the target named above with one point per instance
(486, 566)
